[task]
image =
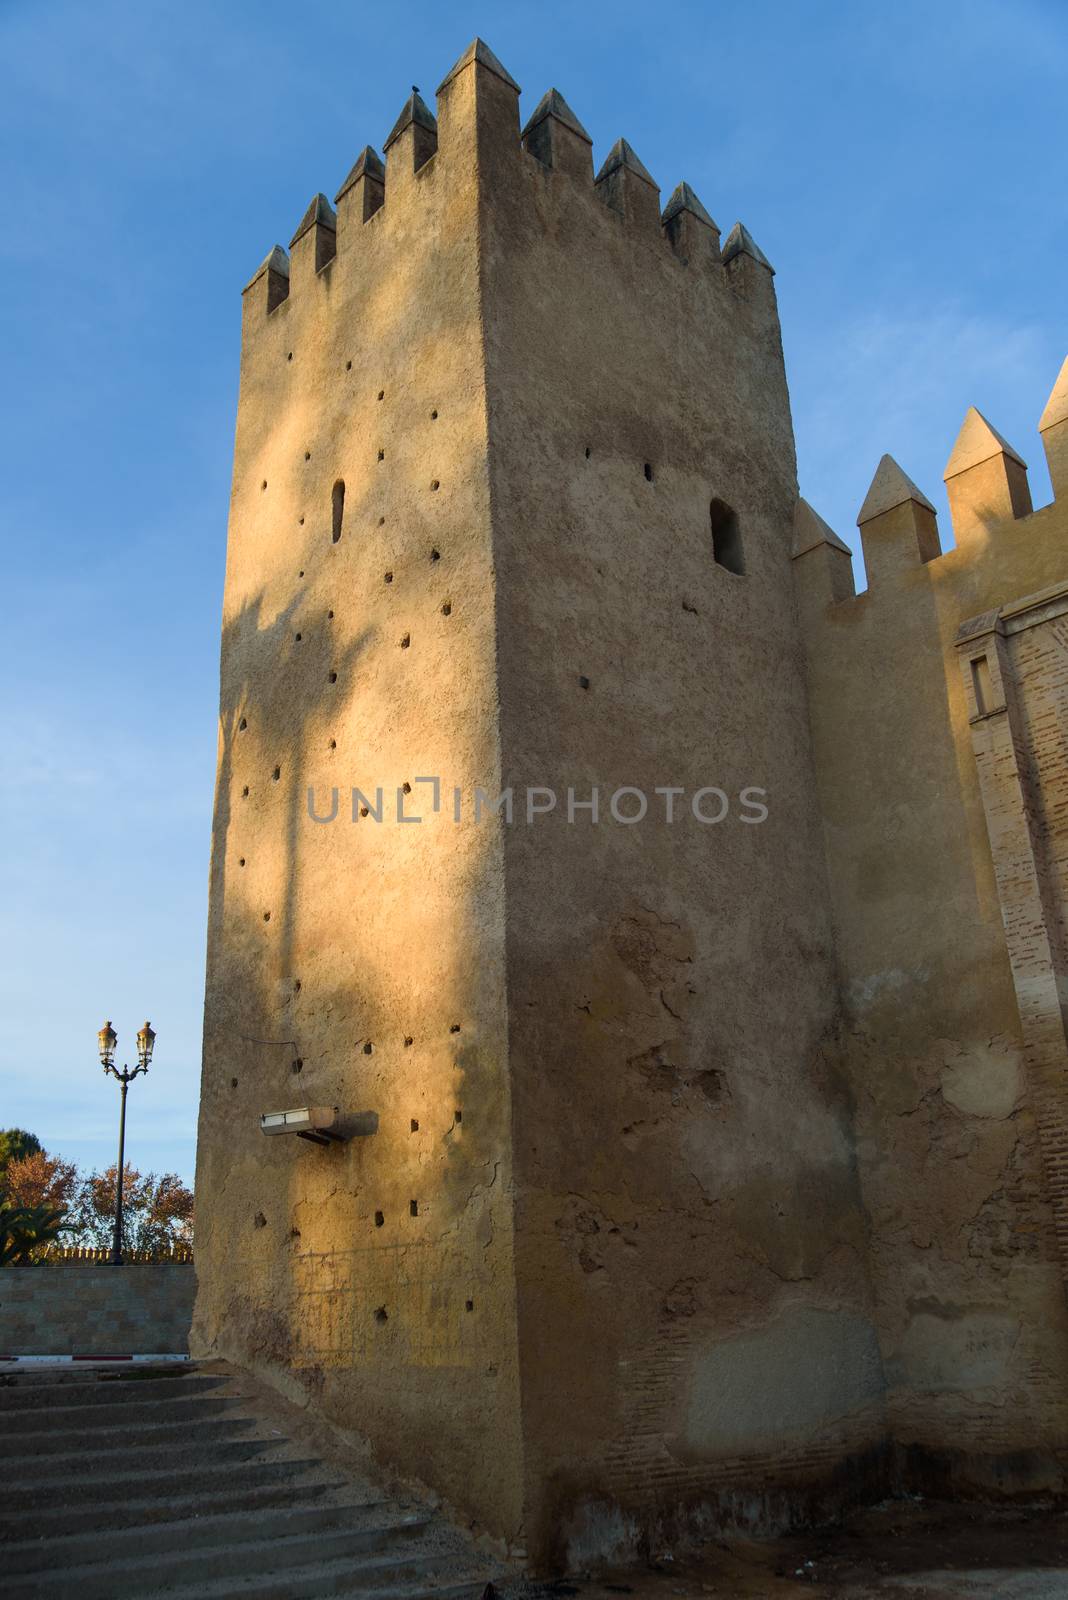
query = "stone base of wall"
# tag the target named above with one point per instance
(96, 1311)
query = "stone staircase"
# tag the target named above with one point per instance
(120, 1484)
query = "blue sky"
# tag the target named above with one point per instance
(904, 167)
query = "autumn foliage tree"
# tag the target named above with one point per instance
(41, 1180)
(157, 1211)
(36, 1190)
(43, 1196)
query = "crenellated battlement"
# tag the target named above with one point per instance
(477, 128)
(990, 508)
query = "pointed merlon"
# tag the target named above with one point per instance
(319, 211)
(415, 110)
(553, 104)
(978, 441)
(277, 261)
(368, 165)
(740, 242)
(1057, 405)
(622, 155)
(478, 50)
(684, 199)
(890, 487)
(810, 531)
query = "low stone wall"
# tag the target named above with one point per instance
(79, 1309)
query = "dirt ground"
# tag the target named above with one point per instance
(901, 1550)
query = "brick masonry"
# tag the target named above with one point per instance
(88, 1310)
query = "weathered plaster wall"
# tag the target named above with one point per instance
(361, 964)
(687, 1205)
(948, 1107)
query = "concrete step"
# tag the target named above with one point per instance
(414, 1576)
(125, 1413)
(131, 1485)
(125, 1457)
(221, 1528)
(84, 1372)
(458, 1587)
(263, 1560)
(52, 1521)
(104, 1389)
(31, 1492)
(57, 1440)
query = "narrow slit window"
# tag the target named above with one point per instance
(726, 537)
(338, 508)
(984, 696)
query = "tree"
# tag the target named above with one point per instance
(15, 1145)
(157, 1212)
(40, 1180)
(25, 1231)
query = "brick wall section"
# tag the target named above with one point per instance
(90, 1310)
(1020, 753)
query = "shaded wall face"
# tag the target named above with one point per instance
(688, 1218)
(352, 963)
(964, 1249)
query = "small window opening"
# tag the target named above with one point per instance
(726, 537)
(648, 472)
(339, 508)
(981, 684)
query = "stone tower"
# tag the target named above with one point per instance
(514, 525)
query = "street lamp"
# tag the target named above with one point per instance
(107, 1039)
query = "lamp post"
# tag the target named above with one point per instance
(108, 1039)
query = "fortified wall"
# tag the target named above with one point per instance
(514, 511)
(939, 706)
